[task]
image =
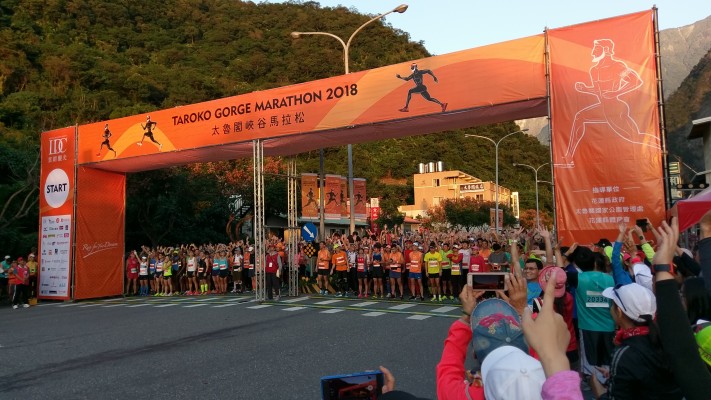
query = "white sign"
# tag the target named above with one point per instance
(55, 256)
(56, 188)
(471, 187)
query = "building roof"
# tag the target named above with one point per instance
(699, 128)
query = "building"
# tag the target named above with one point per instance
(433, 187)
(701, 129)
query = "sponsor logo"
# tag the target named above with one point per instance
(90, 249)
(57, 146)
(56, 188)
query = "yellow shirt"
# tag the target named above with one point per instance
(433, 262)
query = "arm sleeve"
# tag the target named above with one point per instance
(679, 344)
(705, 261)
(564, 385)
(618, 273)
(450, 370)
(648, 251)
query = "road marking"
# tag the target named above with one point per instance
(167, 305)
(363, 304)
(373, 314)
(293, 308)
(328, 302)
(69, 305)
(138, 305)
(113, 305)
(260, 306)
(88, 305)
(294, 300)
(418, 317)
(402, 306)
(225, 305)
(195, 305)
(444, 309)
(332, 311)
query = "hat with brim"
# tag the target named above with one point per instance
(560, 279)
(509, 373)
(633, 299)
(494, 324)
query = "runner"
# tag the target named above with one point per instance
(249, 266)
(224, 272)
(215, 272)
(377, 272)
(339, 264)
(167, 276)
(237, 270)
(132, 274)
(417, 77)
(416, 272)
(192, 268)
(433, 261)
(456, 262)
(143, 276)
(362, 271)
(323, 260)
(395, 262)
(148, 132)
(446, 277)
(160, 283)
(152, 272)
(203, 265)
(106, 142)
(32, 268)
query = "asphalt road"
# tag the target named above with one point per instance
(215, 347)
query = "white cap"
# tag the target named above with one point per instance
(509, 373)
(7, 257)
(633, 299)
(643, 275)
(250, 248)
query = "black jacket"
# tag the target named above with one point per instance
(639, 371)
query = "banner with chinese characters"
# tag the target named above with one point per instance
(309, 196)
(606, 140)
(359, 196)
(332, 198)
(56, 202)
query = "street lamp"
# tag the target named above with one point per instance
(535, 174)
(496, 147)
(346, 45)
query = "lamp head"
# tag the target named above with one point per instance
(401, 8)
(524, 130)
(295, 35)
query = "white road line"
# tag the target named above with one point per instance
(68, 305)
(195, 305)
(363, 304)
(373, 314)
(260, 306)
(139, 305)
(166, 305)
(113, 305)
(402, 306)
(418, 317)
(332, 311)
(293, 308)
(444, 309)
(294, 300)
(88, 305)
(328, 302)
(225, 305)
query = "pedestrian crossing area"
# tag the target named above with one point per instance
(411, 310)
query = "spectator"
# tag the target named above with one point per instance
(22, 276)
(4, 268)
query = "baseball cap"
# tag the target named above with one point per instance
(560, 279)
(144, 257)
(456, 246)
(7, 257)
(643, 275)
(416, 243)
(633, 299)
(626, 256)
(476, 248)
(509, 373)
(703, 339)
(20, 259)
(494, 324)
(250, 248)
(31, 255)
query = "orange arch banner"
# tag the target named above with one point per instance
(605, 140)
(606, 137)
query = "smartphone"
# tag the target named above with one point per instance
(360, 385)
(488, 281)
(642, 223)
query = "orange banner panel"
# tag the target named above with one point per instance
(501, 73)
(309, 196)
(360, 197)
(56, 202)
(332, 199)
(100, 219)
(606, 139)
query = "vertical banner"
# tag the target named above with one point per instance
(374, 214)
(606, 140)
(492, 217)
(332, 198)
(99, 260)
(58, 150)
(359, 196)
(309, 196)
(345, 207)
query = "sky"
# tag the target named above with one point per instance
(446, 26)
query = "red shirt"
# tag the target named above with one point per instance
(483, 267)
(272, 263)
(132, 266)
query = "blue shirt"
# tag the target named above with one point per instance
(534, 290)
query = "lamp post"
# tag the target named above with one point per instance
(496, 147)
(535, 174)
(346, 45)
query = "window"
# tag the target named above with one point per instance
(480, 197)
(435, 182)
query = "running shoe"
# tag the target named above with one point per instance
(434, 298)
(389, 296)
(451, 297)
(412, 298)
(14, 306)
(25, 305)
(360, 295)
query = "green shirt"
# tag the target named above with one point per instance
(593, 308)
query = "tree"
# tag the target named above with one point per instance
(527, 219)
(466, 213)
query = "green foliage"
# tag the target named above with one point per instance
(465, 213)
